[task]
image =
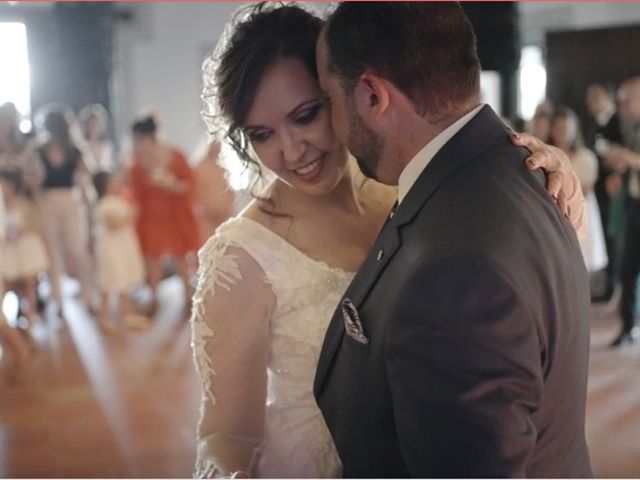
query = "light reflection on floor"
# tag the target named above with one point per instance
(126, 405)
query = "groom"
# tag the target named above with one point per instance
(461, 347)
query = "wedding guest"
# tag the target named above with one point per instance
(64, 201)
(601, 130)
(9, 336)
(565, 133)
(16, 150)
(23, 251)
(625, 158)
(540, 124)
(94, 122)
(119, 258)
(163, 185)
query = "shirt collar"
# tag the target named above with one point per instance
(420, 161)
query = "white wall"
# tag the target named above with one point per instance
(158, 55)
(160, 51)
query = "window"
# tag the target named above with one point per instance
(490, 90)
(15, 81)
(533, 81)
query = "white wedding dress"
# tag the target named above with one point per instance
(258, 412)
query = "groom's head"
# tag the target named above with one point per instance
(395, 73)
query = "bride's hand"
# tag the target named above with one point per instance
(562, 182)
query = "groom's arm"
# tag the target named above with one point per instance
(464, 365)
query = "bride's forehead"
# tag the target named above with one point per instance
(282, 87)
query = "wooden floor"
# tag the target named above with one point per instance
(126, 405)
(96, 405)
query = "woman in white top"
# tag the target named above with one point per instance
(270, 278)
(565, 134)
(98, 147)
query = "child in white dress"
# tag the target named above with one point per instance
(24, 254)
(565, 133)
(10, 338)
(119, 258)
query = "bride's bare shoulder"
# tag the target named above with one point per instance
(253, 211)
(382, 195)
(261, 210)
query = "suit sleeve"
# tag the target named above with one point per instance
(464, 363)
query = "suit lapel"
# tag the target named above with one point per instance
(384, 248)
(472, 140)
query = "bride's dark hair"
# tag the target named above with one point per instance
(258, 36)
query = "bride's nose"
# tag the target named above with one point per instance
(292, 146)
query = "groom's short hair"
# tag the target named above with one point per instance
(426, 49)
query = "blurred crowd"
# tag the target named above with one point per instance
(605, 153)
(72, 207)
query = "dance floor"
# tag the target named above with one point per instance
(126, 405)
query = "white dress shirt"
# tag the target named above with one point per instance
(417, 165)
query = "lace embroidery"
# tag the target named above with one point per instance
(207, 469)
(306, 293)
(217, 268)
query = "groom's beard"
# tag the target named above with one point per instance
(365, 145)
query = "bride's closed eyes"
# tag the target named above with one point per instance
(304, 114)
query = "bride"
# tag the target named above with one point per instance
(270, 278)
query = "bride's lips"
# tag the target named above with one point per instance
(311, 171)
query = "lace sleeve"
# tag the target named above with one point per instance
(230, 340)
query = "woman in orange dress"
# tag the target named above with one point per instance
(163, 184)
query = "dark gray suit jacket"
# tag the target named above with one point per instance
(475, 302)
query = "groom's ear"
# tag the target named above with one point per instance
(372, 97)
